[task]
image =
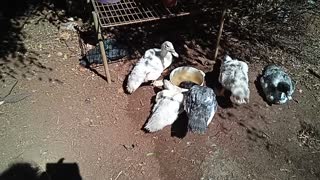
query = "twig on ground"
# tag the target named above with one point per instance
(314, 73)
(118, 175)
(15, 100)
(2, 98)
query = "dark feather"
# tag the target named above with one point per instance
(200, 104)
(275, 83)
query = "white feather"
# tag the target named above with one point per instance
(165, 111)
(150, 66)
(234, 77)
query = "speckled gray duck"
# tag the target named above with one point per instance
(276, 84)
(234, 77)
(200, 105)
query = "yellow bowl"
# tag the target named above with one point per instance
(186, 73)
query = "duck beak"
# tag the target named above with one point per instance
(174, 53)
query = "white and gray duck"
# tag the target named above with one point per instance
(151, 65)
(234, 77)
(276, 84)
(168, 106)
(200, 105)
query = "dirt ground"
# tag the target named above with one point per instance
(58, 110)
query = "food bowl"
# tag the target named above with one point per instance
(186, 73)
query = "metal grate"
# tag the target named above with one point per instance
(135, 11)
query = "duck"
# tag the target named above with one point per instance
(234, 77)
(168, 106)
(151, 66)
(276, 84)
(200, 105)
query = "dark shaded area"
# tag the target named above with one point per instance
(179, 128)
(61, 170)
(13, 16)
(54, 171)
(259, 89)
(248, 25)
(23, 171)
(212, 80)
(15, 60)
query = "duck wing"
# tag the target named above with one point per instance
(200, 106)
(165, 111)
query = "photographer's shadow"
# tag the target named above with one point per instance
(61, 170)
(54, 171)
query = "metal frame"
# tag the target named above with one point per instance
(135, 11)
(128, 12)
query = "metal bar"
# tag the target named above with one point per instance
(132, 11)
(102, 49)
(219, 34)
(116, 15)
(124, 9)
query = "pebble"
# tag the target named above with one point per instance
(59, 54)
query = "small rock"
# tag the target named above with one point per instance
(129, 147)
(87, 100)
(59, 54)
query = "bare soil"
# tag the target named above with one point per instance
(60, 110)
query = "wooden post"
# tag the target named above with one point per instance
(102, 50)
(219, 34)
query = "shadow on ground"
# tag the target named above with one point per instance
(16, 60)
(54, 171)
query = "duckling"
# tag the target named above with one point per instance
(166, 109)
(151, 65)
(234, 77)
(276, 84)
(200, 105)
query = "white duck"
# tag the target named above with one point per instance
(276, 85)
(200, 105)
(167, 108)
(151, 65)
(234, 77)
